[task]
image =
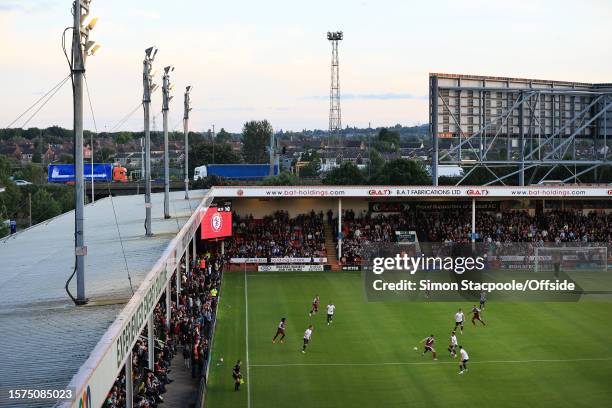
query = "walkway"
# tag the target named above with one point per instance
(330, 248)
(183, 390)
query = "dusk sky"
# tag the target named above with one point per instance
(270, 59)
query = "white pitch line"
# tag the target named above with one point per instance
(246, 325)
(433, 363)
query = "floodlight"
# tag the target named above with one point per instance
(188, 89)
(94, 49)
(91, 23)
(168, 69)
(91, 47)
(151, 52)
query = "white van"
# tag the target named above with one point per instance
(199, 173)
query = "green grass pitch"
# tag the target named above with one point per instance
(529, 355)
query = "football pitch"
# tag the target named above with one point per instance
(529, 354)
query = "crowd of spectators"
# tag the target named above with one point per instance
(507, 227)
(188, 331)
(277, 235)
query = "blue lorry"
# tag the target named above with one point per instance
(234, 171)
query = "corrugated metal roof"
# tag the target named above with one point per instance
(44, 337)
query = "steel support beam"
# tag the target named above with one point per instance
(169, 303)
(339, 229)
(433, 127)
(521, 126)
(129, 382)
(151, 341)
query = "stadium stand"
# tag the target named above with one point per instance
(278, 235)
(303, 236)
(189, 332)
(497, 228)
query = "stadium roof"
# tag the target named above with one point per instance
(46, 339)
(524, 80)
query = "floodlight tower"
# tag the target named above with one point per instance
(335, 117)
(166, 87)
(187, 105)
(149, 88)
(82, 47)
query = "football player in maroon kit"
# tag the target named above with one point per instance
(280, 331)
(476, 316)
(315, 305)
(429, 346)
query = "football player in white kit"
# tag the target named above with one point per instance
(331, 308)
(464, 360)
(452, 348)
(307, 336)
(459, 316)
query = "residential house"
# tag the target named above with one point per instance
(11, 150)
(27, 153)
(332, 158)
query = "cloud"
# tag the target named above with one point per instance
(380, 97)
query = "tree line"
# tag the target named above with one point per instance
(38, 202)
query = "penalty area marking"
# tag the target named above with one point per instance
(432, 363)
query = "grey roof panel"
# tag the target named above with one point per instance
(44, 336)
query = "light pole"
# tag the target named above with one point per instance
(187, 105)
(213, 143)
(81, 48)
(149, 88)
(93, 199)
(166, 87)
(335, 116)
(271, 172)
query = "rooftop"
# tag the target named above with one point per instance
(524, 80)
(45, 337)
